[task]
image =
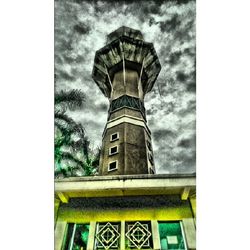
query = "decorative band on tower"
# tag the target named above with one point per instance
(127, 101)
(125, 70)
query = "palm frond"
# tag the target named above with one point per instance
(96, 158)
(69, 156)
(77, 145)
(71, 144)
(85, 166)
(72, 99)
(67, 124)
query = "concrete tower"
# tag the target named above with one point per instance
(125, 70)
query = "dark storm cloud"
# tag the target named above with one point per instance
(186, 142)
(161, 133)
(81, 28)
(171, 24)
(103, 107)
(181, 76)
(191, 87)
(174, 57)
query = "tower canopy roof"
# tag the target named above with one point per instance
(124, 31)
(125, 48)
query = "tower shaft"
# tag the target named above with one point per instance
(126, 147)
(125, 70)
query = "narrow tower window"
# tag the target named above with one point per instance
(113, 166)
(150, 157)
(113, 150)
(151, 171)
(149, 145)
(114, 136)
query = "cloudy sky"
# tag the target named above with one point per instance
(81, 28)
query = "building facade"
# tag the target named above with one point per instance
(128, 206)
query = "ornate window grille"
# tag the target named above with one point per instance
(135, 235)
(107, 236)
(139, 235)
(129, 102)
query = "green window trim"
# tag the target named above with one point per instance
(171, 235)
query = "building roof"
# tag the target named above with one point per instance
(124, 31)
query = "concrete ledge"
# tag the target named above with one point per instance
(126, 177)
(105, 186)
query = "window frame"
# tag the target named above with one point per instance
(70, 235)
(117, 138)
(116, 146)
(181, 227)
(109, 170)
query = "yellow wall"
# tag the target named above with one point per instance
(73, 215)
(179, 211)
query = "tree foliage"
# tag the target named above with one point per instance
(73, 156)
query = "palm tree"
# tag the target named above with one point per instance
(73, 156)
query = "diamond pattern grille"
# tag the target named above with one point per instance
(107, 236)
(139, 235)
(127, 101)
